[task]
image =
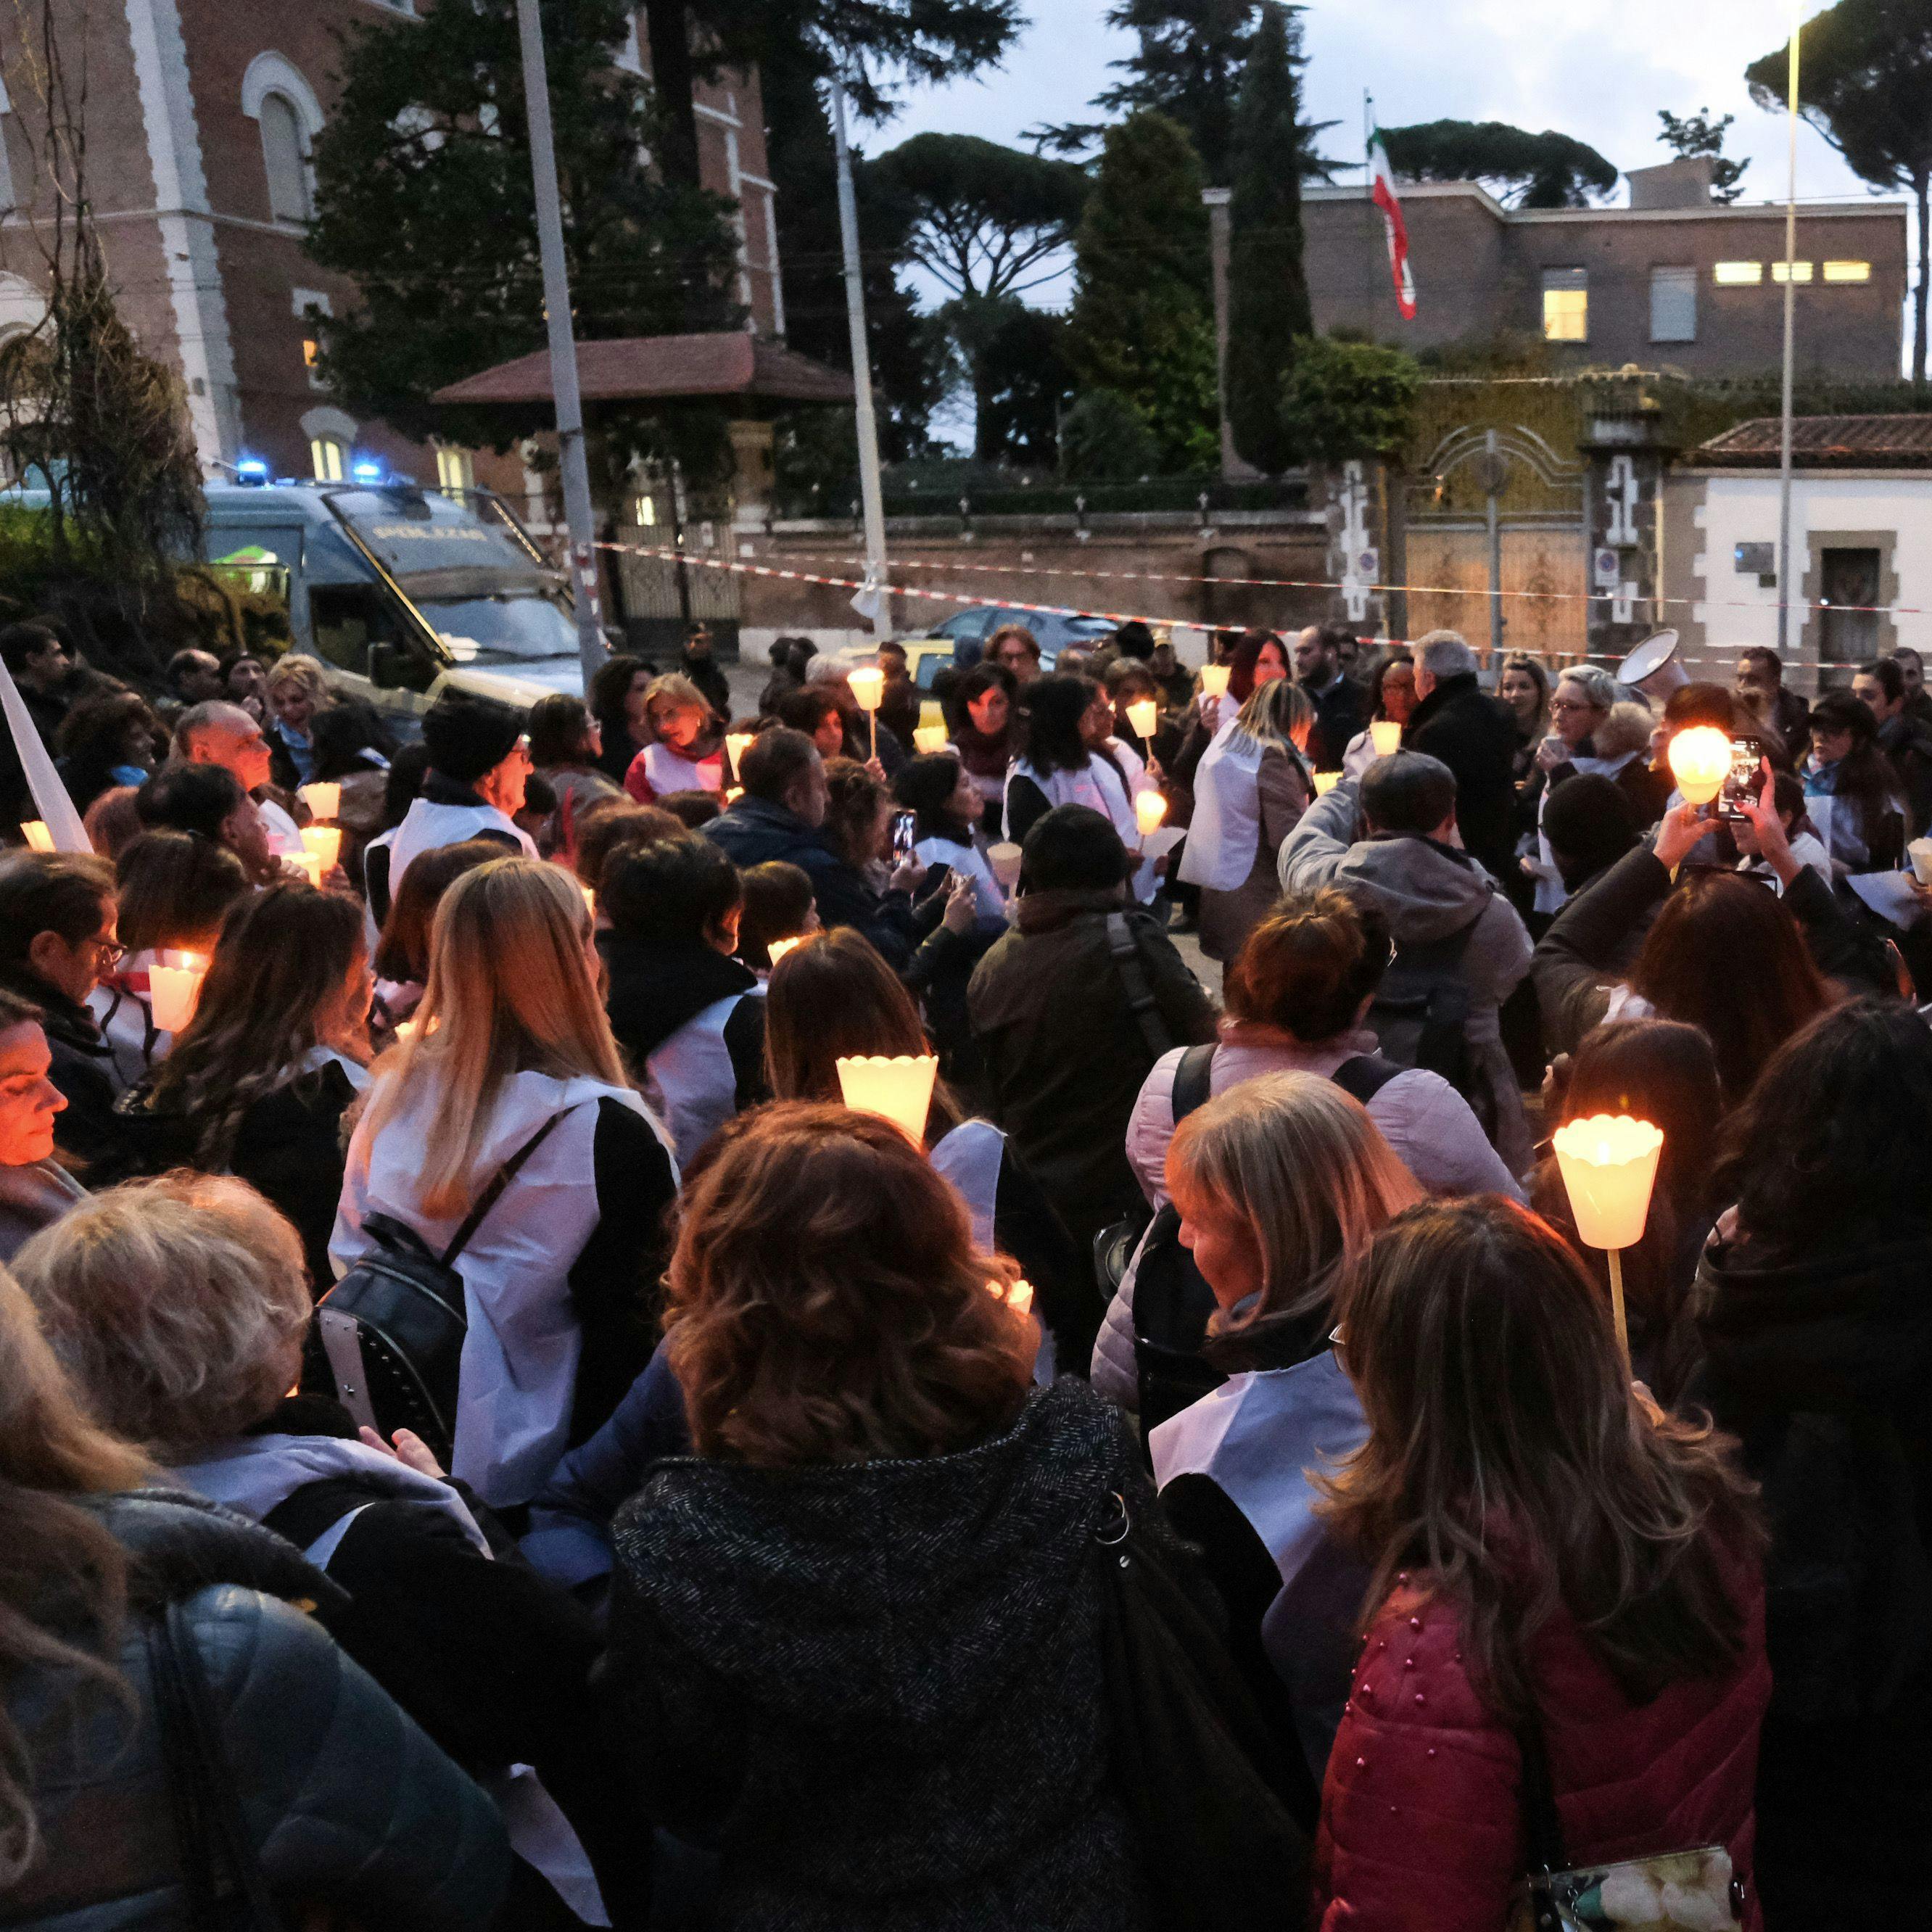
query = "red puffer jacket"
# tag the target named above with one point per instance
(1421, 1821)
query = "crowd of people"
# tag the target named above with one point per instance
(499, 1427)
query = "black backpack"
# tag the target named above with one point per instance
(1420, 1013)
(391, 1330)
(1172, 1302)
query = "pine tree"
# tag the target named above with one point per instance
(1268, 287)
(1141, 324)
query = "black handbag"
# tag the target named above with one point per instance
(391, 1330)
(1193, 1759)
(222, 1880)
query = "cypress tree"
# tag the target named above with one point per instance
(1268, 286)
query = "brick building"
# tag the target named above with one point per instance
(1674, 280)
(201, 118)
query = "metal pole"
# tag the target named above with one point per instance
(1491, 484)
(576, 471)
(1784, 427)
(870, 493)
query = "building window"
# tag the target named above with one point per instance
(1566, 305)
(328, 459)
(454, 471)
(285, 156)
(1798, 271)
(1673, 305)
(1738, 274)
(1848, 271)
(1847, 577)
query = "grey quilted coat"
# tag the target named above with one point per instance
(349, 1805)
(877, 1687)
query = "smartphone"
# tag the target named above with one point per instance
(905, 835)
(1740, 783)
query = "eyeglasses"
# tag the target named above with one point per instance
(1571, 704)
(107, 951)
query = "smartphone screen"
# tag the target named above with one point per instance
(904, 835)
(1742, 781)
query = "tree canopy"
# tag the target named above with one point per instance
(1689, 135)
(1343, 399)
(1545, 170)
(1188, 63)
(1268, 286)
(424, 199)
(1865, 82)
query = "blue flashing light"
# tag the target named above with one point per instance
(366, 472)
(251, 470)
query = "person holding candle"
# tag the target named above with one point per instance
(35, 1190)
(836, 998)
(779, 905)
(1391, 684)
(57, 941)
(1817, 1353)
(257, 1082)
(173, 891)
(511, 1040)
(857, 1632)
(684, 1011)
(1250, 789)
(178, 1306)
(1557, 1566)
(478, 761)
(341, 1802)
(686, 750)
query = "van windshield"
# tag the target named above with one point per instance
(502, 625)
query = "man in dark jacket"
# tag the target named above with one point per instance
(1071, 1007)
(1907, 743)
(698, 664)
(1341, 705)
(38, 664)
(781, 816)
(1456, 723)
(56, 939)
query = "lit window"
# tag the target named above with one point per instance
(1566, 305)
(285, 156)
(1673, 305)
(1848, 271)
(453, 470)
(311, 351)
(1800, 272)
(327, 459)
(647, 511)
(1738, 274)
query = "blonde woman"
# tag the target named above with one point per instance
(1281, 1184)
(1250, 789)
(296, 691)
(686, 750)
(512, 1043)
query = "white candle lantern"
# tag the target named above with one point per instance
(778, 948)
(931, 714)
(736, 744)
(930, 738)
(174, 988)
(1326, 782)
(324, 800)
(34, 831)
(1004, 859)
(1150, 808)
(1385, 734)
(324, 842)
(1143, 714)
(898, 1088)
(1700, 761)
(1609, 1165)
(868, 688)
(1214, 680)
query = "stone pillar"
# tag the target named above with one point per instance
(1623, 449)
(1355, 562)
(752, 477)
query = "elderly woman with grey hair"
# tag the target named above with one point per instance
(1593, 729)
(178, 1307)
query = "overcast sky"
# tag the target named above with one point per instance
(1589, 68)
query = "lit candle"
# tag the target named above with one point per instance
(1700, 760)
(1609, 1165)
(736, 744)
(406, 1031)
(1143, 714)
(898, 1088)
(1004, 859)
(174, 988)
(932, 712)
(868, 686)
(929, 738)
(732, 794)
(1150, 808)
(589, 900)
(324, 842)
(1385, 734)
(35, 832)
(323, 800)
(1214, 680)
(310, 865)
(777, 949)
(1326, 782)
(1018, 1297)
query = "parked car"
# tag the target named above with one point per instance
(960, 639)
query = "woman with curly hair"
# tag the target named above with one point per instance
(861, 1626)
(256, 1083)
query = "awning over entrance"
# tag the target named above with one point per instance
(730, 362)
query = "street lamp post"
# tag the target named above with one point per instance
(1790, 299)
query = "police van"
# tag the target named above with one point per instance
(400, 591)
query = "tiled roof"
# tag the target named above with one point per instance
(731, 362)
(1825, 443)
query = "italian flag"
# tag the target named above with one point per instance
(1382, 192)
